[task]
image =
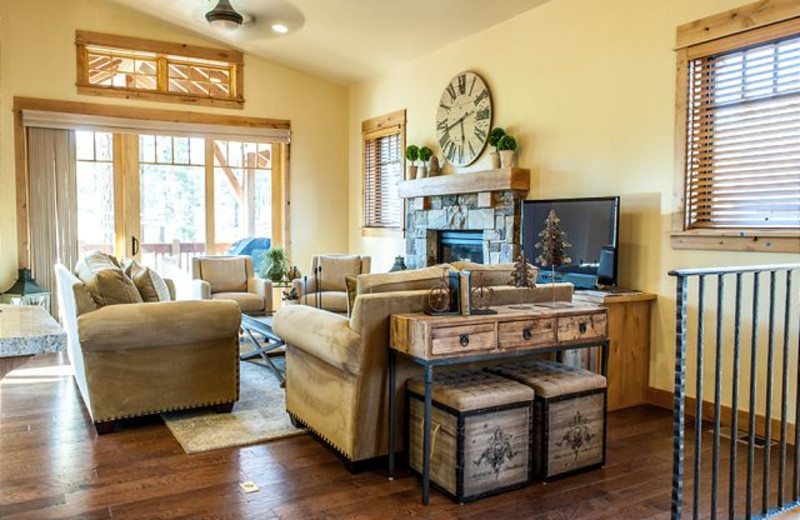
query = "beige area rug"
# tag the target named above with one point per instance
(259, 415)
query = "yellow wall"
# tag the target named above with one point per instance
(37, 59)
(588, 87)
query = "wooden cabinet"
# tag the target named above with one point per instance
(629, 345)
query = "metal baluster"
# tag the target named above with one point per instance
(751, 452)
(679, 399)
(768, 419)
(717, 397)
(737, 323)
(784, 390)
(698, 413)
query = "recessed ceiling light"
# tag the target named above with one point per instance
(280, 28)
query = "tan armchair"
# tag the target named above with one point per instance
(331, 288)
(135, 359)
(337, 367)
(231, 278)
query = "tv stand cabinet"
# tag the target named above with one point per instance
(629, 349)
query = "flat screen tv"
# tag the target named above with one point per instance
(592, 227)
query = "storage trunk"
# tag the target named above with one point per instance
(480, 434)
(569, 421)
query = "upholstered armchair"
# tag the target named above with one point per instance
(231, 278)
(326, 280)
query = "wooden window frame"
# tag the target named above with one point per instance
(729, 30)
(126, 161)
(162, 50)
(374, 128)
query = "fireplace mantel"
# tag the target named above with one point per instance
(504, 179)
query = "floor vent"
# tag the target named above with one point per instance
(741, 436)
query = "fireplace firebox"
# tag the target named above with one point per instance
(460, 245)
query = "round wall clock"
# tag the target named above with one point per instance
(464, 118)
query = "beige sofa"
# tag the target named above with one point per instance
(337, 367)
(135, 359)
(231, 278)
(331, 288)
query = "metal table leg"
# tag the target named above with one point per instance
(426, 439)
(392, 413)
(263, 352)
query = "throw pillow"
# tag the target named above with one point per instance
(105, 280)
(151, 286)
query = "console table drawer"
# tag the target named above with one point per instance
(578, 328)
(526, 333)
(455, 340)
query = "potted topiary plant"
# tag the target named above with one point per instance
(494, 137)
(506, 146)
(425, 155)
(412, 154)
(274, 265)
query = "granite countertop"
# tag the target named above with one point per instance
(26, 330)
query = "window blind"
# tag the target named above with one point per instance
(383, 164)
(743, 138)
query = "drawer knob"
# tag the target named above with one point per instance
(582, 328)
(527, 334)
(464, 340)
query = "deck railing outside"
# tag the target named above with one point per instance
(711, 497)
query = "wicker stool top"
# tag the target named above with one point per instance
(473, 390)
(550, 379)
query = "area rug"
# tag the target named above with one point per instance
(259, 415)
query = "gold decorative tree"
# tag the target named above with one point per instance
(522, 277)
(553, 244)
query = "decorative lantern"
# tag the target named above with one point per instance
(26, 292)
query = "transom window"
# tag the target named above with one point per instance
(132, 67)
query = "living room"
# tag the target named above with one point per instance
(333, 138)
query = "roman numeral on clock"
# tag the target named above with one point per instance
(483, 113)
(484, 93)
(452, 91)
(480, 134)
(472, 86)
(462, 84)
(442, 125)
(444, 141)
(442, 105)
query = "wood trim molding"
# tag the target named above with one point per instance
(744, 18)
(21, 173)
(146, 114)
(664, 399)
(392, 119)
(169, 97)
(382, 232)
(753, 240)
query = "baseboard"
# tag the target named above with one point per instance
(664, 399)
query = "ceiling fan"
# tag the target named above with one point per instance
(224, 16)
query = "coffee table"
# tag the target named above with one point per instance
(262, 326)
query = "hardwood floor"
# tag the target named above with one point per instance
(54, 466)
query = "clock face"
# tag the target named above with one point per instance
(464, 119)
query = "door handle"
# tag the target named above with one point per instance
(134, 246)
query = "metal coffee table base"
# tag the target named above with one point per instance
(266, 349)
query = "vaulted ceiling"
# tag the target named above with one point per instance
(345, 41)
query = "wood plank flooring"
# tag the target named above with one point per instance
(54, 466)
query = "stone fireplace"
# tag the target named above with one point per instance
(494, 214)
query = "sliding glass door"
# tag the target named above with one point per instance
(94, 174)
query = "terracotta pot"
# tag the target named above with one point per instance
(508, 159)
(494, 160)
(411, 172)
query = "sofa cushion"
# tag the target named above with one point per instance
(248, 302)
(411, 280)
(105, 280)
(150, 285)
(334, 301)
(351, 281)
(335, 268)
(493, 274)
(550, 379)
(224, 274)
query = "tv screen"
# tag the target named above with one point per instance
(591, 227)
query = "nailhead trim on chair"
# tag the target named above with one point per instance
(324, 438)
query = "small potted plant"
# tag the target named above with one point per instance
(274, 265)
(412, 154)
(506, 146)
(425, 155)
(494, 137)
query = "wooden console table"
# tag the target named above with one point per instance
(434, 341)
(629, 344)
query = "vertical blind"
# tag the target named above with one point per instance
(743, 138)
(383, 168)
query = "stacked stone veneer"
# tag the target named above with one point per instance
(497, 214)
